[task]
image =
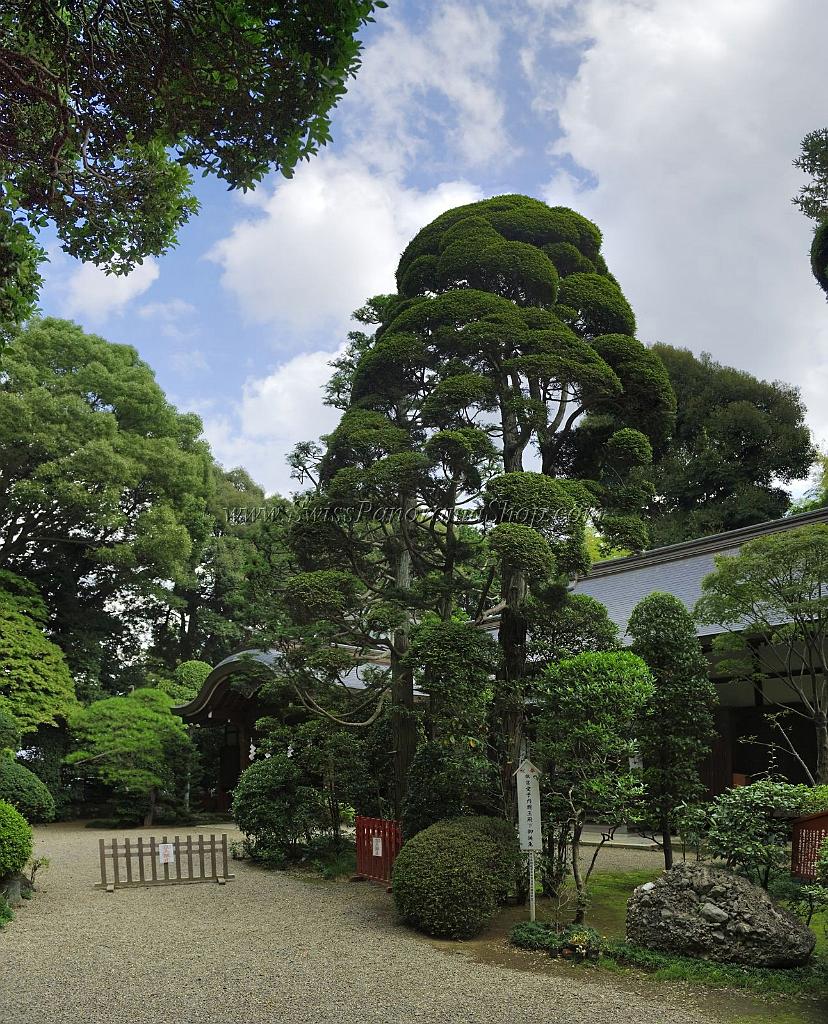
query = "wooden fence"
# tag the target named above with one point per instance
(378, 842)
(808, 835)
(136, 862)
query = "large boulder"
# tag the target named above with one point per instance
(700, 911)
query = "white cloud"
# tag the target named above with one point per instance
(428, 91)
(169, 316)
(88, 293)
(188, 361)
(326, 240)
(275, 412)
(174, 309)
(689, 115)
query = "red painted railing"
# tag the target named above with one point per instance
(809, 833)
(378, 841)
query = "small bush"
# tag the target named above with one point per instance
(579, 942)
(534, 935)
(450, 878)
(274, 810)
(25, 791)
(15, 840)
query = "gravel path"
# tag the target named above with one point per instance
(267, 947)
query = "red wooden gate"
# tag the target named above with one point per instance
(378, 841)
(809, 833)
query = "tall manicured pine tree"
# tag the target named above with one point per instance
(677, 725)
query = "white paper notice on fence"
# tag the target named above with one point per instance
(166, 853)
(376, 846)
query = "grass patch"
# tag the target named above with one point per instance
(6, 912)
(812, 979)
(609, 892)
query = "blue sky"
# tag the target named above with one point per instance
(672, 125)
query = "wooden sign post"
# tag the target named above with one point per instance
(529, 821)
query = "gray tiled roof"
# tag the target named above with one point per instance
(679, 569)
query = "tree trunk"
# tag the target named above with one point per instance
(149, 817)
(577, 877)
(667, 841)
(510, 698)
(821, 726)
(403, 722)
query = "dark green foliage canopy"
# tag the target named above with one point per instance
(737, 440)
(106, 107)
(9, 732)
(19, 277)
(819, 256)
(578, 625)
(545, 346)
(105, 482)
(447, 782)
(24, 790)
(132, 744)
(274, 808)
(36, 687)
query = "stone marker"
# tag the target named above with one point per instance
(700, 911)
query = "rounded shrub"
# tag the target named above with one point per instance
(450, 878)
(25, 791)
(274, 809)
(15, 840)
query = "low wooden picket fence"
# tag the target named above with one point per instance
(135, 862)
(808, 835)
(378, 841)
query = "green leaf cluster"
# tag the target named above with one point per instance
(738, 442)
(131, 744)
(107, 110)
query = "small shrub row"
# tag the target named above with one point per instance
(450, 878)
(576, 942)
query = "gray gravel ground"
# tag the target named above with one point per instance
(267, 947)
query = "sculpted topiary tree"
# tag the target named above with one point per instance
(508, 333)
(676, 727)
(537, 345)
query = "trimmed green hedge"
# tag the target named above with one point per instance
(15, 840)
(25, 791)
(450, 878)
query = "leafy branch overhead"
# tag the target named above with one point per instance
(107, 108)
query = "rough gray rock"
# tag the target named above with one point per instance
(701, 911)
